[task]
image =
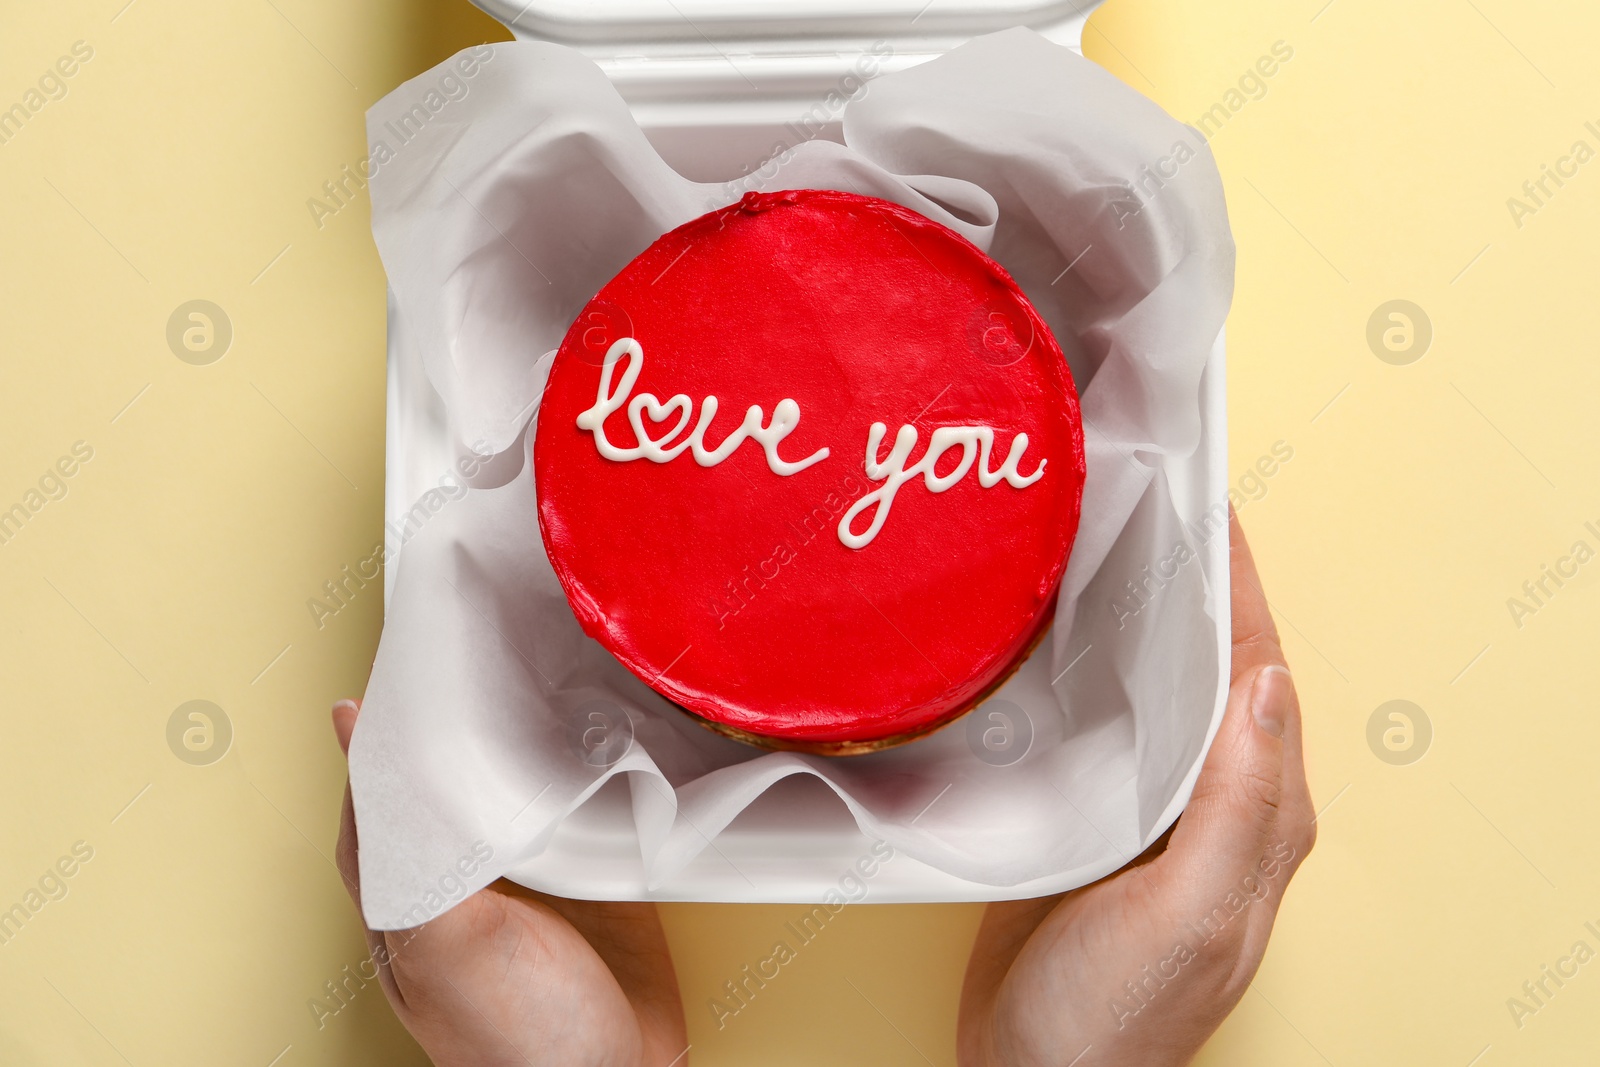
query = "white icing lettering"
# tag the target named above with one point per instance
(615, 393)
(785, 416)
(975, 442)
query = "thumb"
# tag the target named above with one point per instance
(1232, 817)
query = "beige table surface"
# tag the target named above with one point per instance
(175, 563)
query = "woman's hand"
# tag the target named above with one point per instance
(518, 978)
(1142, 968)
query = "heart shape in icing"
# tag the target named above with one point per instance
(658, 413)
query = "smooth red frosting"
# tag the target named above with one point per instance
(727, 588)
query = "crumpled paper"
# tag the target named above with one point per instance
(518, 190)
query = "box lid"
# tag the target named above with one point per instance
(693, 62)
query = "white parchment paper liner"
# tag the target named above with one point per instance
(528, 187)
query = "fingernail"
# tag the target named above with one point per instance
(344, 721)
(1269, 699)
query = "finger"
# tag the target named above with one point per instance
(1251, 812)
(1232, 818)
(1255, 635)
(1236, 798)
(346, 853)
(345, 713)
(1256, 644)
(1008, 924)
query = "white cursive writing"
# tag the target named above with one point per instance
(975, 442)
(656, 449)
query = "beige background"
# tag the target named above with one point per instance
(1375, 165)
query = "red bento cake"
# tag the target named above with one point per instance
(811, 467)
